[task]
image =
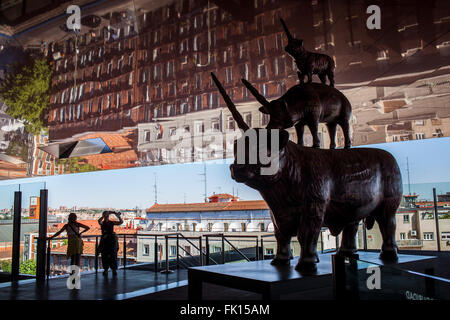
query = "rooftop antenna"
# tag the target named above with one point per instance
(407, 170)
(155, 188)
(204, 181)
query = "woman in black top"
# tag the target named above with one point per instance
(109, 244)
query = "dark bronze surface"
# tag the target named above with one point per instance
(315, 188)
(308, 104)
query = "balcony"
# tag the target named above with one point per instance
(410, 243)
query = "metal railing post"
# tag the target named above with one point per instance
(207, 249)
(48, 259)
(436, 219)
(262, 248)
(321, 241)
(223, 249)
(257, 249)
(15, 264)
(167, 270)
(124, 251)
(365, 236)
(96, 254)
(156, 253)
(178, 253)
(41, 243)
(201, 249)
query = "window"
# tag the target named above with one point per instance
(173, 251)
(146, 250)
(215, 125)
(261, 70)
(261, 46)
(269, 251)
(231, 123)
(406, 218)
(199, 127)
(228, 74)
(445, 235)
(265, 119)
(402, 236)
(147, 136)
(428, 236)
(248, 119)
(420, 136)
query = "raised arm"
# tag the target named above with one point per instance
(100, 220)
(118, 217)
(86, 228)
(58, 232)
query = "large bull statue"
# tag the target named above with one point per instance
(313, 188)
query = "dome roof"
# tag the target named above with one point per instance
(218, 227)
(235, 227)
(253, 227)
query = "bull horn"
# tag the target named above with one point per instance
(235, 113)
(255, 92)
(286, 30)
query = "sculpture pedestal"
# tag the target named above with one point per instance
(274, 281)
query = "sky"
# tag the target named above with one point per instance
(129, 188)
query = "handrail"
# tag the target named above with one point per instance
(237, 250)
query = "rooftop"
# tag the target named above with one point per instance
(209, 206)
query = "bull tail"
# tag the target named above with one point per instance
(369, 222)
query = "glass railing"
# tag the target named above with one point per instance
(29, 214)
(365, 280)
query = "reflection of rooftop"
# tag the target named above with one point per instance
(209, 206)
(430, 108)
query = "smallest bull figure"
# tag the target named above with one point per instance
(309, 63)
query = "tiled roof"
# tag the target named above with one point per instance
(209, 206)
(89, 249)
(222, 196)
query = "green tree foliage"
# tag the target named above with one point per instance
(28, 267)
(76, 165)
(18, 147)
(5, 266)
(26, 92)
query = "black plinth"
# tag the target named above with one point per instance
(273, 281)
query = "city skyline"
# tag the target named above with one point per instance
(178, 183)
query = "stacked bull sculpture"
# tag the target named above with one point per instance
(313, 188)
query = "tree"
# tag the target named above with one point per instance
(28, 267)
(5, 266)
(26, 92)
(76, 165)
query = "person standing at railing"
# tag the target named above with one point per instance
(109, 243)
(75, 242)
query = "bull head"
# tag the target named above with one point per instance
(258, 154)
(294, 46)
(277, 109)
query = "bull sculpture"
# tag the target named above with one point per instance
(309, 63)
(308, 104)
(315, 188)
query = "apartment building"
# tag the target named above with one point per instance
(152, 72)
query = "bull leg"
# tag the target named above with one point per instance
(309, 75)
(283, 254)
(301, 77)
(300, 129)
(346, 129)
(386, 222)
(314, 128)
(332, 132)
(323, 78)
(308, 234)
(348, 243)
(330, 75)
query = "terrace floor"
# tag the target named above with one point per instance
(128, 284)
